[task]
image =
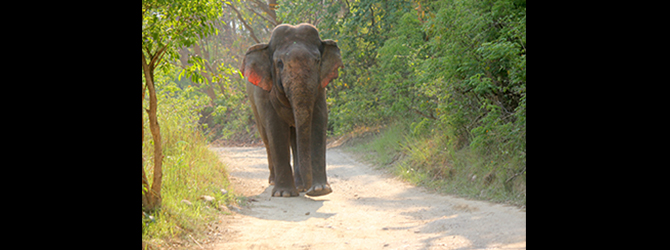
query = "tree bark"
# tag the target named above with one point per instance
(145, 183)
(268, 8)
(153, 194)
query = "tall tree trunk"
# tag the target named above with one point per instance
(145, 183)
(153, 195)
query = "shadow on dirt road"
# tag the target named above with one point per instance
(367, 210)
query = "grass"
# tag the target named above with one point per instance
(425, 160)
(190, 170)
(384, 146)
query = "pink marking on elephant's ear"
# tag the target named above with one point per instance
(256, 79)
(256, 66)
(332, 75)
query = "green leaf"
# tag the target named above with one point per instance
(181, 74)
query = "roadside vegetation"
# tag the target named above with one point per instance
(421, 161)
(444, 82)
(190, 172)
(184, 186)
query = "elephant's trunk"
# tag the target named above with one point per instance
(303, 141)
(303, 100)
(301, 78)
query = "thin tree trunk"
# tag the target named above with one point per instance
(145, 183)
(153, 196)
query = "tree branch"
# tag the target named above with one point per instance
(517, 174)
(348, 10)
(258, 14)
(158, 56)
(431, 116)
(239, 16)
(269, 8)
(155, 60)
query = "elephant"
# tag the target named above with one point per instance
(286, 87)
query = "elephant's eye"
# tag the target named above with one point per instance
(280, 64)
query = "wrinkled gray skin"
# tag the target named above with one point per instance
(286, 88)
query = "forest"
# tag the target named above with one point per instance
(444, 82)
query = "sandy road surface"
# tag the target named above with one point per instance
(366, 210)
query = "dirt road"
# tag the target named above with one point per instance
(367, 209)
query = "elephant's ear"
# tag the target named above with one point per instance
(257, 65)
(330, 62)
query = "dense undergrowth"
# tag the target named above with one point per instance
(423, 160)
(190, 170)
(446, 80)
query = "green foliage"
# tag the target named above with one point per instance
(233, 116)
(209, 65)
(190, 169)
(360, 34)
(167, 25)
(424, 160)
(454, 71)
(385, 145)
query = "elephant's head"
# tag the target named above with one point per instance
(295, 62)
(294, 67)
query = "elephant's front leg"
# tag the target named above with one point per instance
(320, 184)
(278, 141)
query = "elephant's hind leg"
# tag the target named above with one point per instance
(264, 137)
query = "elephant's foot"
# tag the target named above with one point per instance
(284, 192)
(301, 188)
(271, 179)
(319, 189)
(299, 185)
